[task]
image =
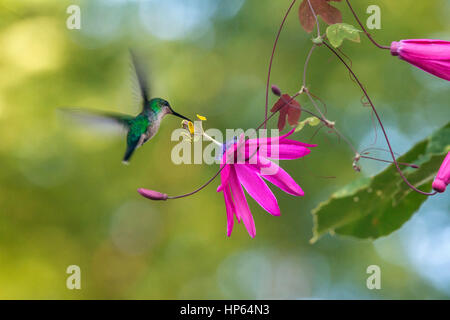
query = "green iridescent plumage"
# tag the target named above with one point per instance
(142, 127)
(137, 127)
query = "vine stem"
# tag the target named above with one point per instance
(315, 18)
(266, 118)
(388, 161)
(220, 170)
(322, 117)
(307, 63)
(364, 29)
(304, 89)
(271, 59)
(379, 121)
(198, 189)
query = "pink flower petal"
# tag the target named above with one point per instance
(281, 178)
(233, 207)
(270, 140)
(432, 56)
(257, 189)
(442, 179)
(229, 205)
(284, 152)
(241, 204)
(297, 143)
(224, 176)
(422, 49)
(283, 149)
(237, 173)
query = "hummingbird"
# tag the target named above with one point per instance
(145, 125)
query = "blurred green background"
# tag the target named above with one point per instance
(65, 197)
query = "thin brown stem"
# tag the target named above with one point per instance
(308, 58)
(271, 60)
(322, 116)
(379, 121)
(266, 118)
(198, 189)
(415, 166)
(364, 29)
(315, 17)
(218, 171)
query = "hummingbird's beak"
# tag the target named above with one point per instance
(180, 116)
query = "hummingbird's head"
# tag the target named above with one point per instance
(161, 105)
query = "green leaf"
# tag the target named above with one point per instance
(336, 33)
(376, 206)
(312, 121)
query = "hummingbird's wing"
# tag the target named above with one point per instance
(141, 78)
(99, 119)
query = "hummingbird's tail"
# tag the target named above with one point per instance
(128, 154)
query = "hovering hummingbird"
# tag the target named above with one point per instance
(145, 125)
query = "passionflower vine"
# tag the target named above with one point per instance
(250, 172)
(442, 179)
(432, 56)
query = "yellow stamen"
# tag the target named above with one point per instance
(201, 117)
(191, 127)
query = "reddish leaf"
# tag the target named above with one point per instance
(322, 8)
(292, 111)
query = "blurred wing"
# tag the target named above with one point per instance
(98, 119)
(141, 77)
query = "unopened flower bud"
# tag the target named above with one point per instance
(276, 91)
(442, 179)
(153, 195)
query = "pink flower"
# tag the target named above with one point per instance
(432, 56)
(443, 176)
(249, 172)
(152, 195)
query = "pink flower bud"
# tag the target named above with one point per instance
(442, 179)
(276, 91)
(153, 195)
(432, 56)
